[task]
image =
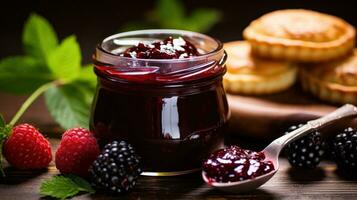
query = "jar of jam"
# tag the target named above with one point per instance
(161, 91)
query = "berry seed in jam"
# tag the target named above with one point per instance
(168, 48)
(234, 164)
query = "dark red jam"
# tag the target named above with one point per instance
(236, 164)
(173, 129)
(168, 48)
(174, 118)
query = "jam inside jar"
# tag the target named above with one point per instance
(173, 111)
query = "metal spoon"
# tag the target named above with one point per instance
(272, 151)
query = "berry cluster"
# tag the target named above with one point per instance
(116, 169)
(344, 149)
(308, 151)
(76, 152)
(26, 148)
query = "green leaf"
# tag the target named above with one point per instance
(2, 122)
(202, 20)
(82, 184)
(87, 91)
(169, 13)
(39, 38)
(5, 131)
(22, 75)
(87, 75)
(170, 10)
(68, 105)
(63, 187)
(65, 60)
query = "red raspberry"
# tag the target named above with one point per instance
(76, 152)
(26, 148)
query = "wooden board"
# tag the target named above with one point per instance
(322, 183)
(267, 117)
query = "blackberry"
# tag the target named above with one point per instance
(116, 169)
(307, 151)
(344, 149)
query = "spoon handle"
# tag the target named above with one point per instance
(344, 111)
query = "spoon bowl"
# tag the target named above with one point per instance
(273, 150)
(240, 186)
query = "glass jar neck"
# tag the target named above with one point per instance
(173, 73)
(149, 75)
(154, 88)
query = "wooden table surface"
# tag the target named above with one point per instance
(321, 183)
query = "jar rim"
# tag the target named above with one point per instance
(219, 49)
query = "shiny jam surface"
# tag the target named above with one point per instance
(236, 164)
(168, 48)
(173, 120)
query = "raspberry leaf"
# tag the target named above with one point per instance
(64, 61)
(82, 184)
(22, 74)
(69, 105)
(2, 139)
(65, 186)
(2, 122)
(202, 20)
(47, 63)
(5, 131)
(171, 13)
(39, 38)
(86, 75)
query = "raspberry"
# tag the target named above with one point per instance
(26, 148)
(76, 152)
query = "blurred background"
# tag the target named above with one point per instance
(92, 21)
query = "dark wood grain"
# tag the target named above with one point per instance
(321, 183)
(268, 116)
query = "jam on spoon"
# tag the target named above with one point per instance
(236, 164)
(270, 153)
(168, 48)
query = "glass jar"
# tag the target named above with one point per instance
(173, 111)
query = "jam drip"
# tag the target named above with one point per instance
(236, 164)
(167, 49)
